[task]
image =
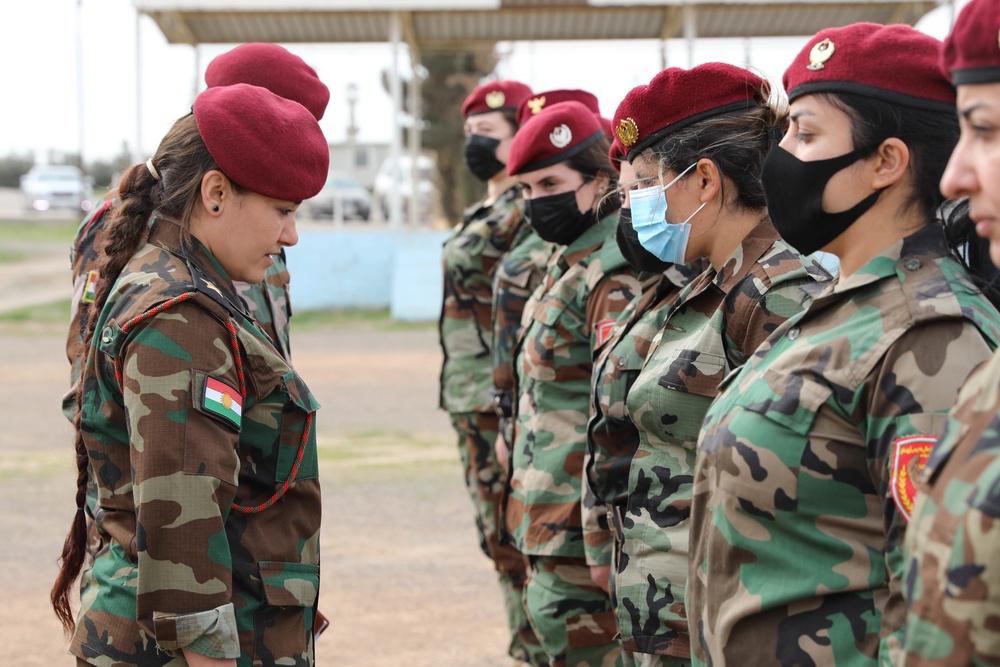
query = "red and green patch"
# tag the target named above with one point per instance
(603, 330)
(222, 400)
(908, 459)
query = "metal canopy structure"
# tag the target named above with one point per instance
(430, 24)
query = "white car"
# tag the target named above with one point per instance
(392, 175)
(341, 198)
(56, 186)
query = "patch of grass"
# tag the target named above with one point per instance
(10, 256)
(352, 317)
(56, 312)
(38, 231)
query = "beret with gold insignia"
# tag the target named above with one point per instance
(503, 95)
(678, 97)
(535, 103)
(892, 63)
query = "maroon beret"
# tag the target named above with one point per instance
(892, 63)
(273, 67)
(532, 104)
(553, 135)
(495, 96)
(678, 97)
(972, 50)
(266, 143)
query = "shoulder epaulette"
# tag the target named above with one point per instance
(204, 285)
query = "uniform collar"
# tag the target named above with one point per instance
(745, 256)
(926, 244)
(206, 272)
(506, 197)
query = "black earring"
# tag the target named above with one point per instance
(216, 208)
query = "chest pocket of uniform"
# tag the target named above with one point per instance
(687, 384)
(299, 405)
(766, 438)
(618, 374)
(548, 344)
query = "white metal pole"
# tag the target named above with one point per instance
(395, 201)
(137, 148)
(79, 85)
(414, 144)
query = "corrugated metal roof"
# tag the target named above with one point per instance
(222, 21)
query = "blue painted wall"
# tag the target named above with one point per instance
(368, 268)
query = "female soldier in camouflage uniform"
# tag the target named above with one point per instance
(612, 439)
(469, 258)
(197, 430)
(696, 139)
(283, 73)
(801, 491)
(952, 581)
(560, 158)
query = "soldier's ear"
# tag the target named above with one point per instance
(216, 191)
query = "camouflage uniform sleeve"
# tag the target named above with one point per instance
(606, 303)
(909, 394)
(185, 476)
(751, 316)
(951, 583)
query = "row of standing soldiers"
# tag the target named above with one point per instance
(687, 439)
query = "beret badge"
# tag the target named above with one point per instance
(561, 136)
(536, 104)
(819, 54)
(495, 99)
(628, 132)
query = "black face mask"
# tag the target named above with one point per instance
(557, 219)
(481, 156)
(793, 190)
(632, 250)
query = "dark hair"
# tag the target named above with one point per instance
(181, 161)
(510, 115)
(736, 142)
(592, 162)
(931, 137)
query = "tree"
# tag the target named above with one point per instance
(451, 76)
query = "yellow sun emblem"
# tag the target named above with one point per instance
(819, 54)
(227, 401)
(536, 104)
(627, 131)
(495, 99)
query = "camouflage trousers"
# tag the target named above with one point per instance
(484, 481)
(571, 615)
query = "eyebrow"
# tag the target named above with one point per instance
(798, 114)
(969, 110)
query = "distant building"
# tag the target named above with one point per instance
(360, 161)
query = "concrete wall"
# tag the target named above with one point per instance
(368, 268)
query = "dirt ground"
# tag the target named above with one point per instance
(404, 582)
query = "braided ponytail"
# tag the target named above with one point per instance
(181, 161)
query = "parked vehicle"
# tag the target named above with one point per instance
(392, 175)
(341, 198)
(56, 186)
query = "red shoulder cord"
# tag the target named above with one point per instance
(241, 378)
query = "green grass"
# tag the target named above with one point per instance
(10, 256)
(38, 231)
(352, 317)
(56, 312)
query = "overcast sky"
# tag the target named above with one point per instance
(38, 77)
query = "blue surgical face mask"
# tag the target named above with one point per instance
(666, 241)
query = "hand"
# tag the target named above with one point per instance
(502, 451)
(199, 660)
(601, 576)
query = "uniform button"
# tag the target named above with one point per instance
(106, 335)
(793, 333)
(621, 361)
(912, 264)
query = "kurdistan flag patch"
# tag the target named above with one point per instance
(90, 288)
(222, 400)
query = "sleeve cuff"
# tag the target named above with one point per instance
(210, 633)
